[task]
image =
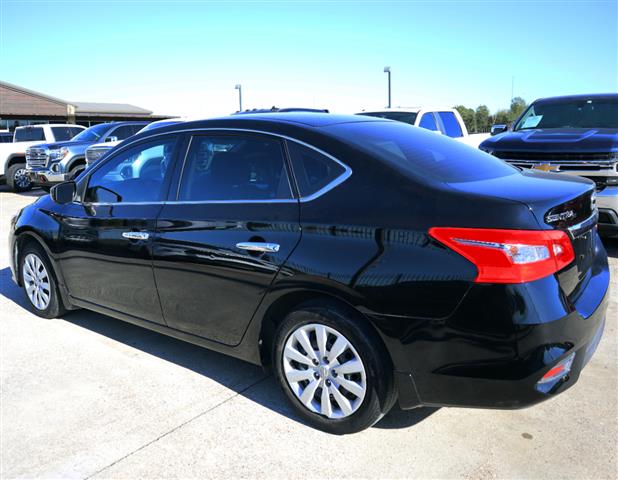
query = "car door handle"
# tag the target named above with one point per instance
(136, 235)
(258, 246)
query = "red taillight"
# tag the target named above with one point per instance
(509, 256)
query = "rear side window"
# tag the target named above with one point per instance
(428, 122)
(451, 125)
(29, 134)
(420, 153)
(313, 171)
(62, 134)
(234, 168)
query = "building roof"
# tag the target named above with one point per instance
(88, 108)
(32, 92)
(108, 108)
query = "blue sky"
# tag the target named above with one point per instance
(184, 57)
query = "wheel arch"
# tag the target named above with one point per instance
(22, 238)
(13, 159)
(276, 311)
(77, 161)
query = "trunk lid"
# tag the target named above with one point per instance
(557, 202)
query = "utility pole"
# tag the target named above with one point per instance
(388, 70)
(239, 88)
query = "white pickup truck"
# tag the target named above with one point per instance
(445, 121)
(13, 155)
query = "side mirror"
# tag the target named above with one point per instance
(63, 192)
(499, 128)
(111, 139)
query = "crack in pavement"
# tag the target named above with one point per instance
(177, 427)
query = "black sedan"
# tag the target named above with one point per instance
(366, 261)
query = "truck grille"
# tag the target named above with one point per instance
(36, 157)
(556, 156)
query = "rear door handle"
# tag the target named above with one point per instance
(136, 235)
(258, 246)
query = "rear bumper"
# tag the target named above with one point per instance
(501, 340)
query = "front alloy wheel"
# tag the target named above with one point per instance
(324, 371)
(36, 281)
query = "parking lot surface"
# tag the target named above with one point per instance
(88, 396)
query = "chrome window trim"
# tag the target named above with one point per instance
(325, 189)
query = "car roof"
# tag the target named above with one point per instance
(307, 119)
(588, 96)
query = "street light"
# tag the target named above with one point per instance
(239, 88)
(388, 70)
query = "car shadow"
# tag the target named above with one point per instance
(34, 193)
(611, 245)
(254, 383)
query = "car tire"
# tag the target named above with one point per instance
(75, 171)
(341, 402)
(17, 178)
(39, 282)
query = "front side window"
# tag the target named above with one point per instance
(228, 168)
(29, 134)
(123, 132)
(134, 175)
(451, 125)
(313, 171)
(428, 121)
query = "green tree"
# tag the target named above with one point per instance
(502, 117)
(518, 105)
(467, 115)
(483, 122)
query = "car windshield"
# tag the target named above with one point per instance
(92, 134)
(405, 117)
(421, 153)
(584, 113)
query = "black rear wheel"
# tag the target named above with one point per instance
(336, 374)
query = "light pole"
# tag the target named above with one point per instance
(388, 70)
(239, 88)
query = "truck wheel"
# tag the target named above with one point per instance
(334, 372)
(75, 171)
(17, 178)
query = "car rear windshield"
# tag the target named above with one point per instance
(584, 113)
(421, 153)
(405, 117)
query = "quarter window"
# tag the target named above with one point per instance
(451, 125)
(134, 175)
(428, 121)
(224, 168)
(313, 171)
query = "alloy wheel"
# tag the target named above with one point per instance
(36, 281)
(324, 371)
